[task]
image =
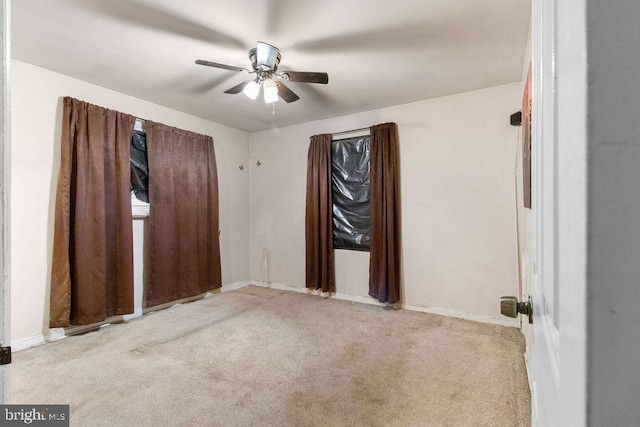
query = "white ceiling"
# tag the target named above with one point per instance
(377, 53)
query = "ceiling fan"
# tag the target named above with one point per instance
(264, 61)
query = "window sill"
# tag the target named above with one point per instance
(139, 209)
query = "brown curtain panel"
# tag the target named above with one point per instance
(319, 216)
(384, 195)
(184, 248)
(92, 265)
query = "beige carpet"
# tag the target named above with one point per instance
(262, 357)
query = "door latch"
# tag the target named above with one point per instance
(509, 306)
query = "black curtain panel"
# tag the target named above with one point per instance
(139, 166)
(350, 182)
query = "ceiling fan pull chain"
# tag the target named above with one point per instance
(273, 104)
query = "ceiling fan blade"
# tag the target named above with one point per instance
(223, 66)
(272, 12)
(376, 39)
(160, 18)
(285, 93)
(206, 86)
(307, 77)
(237, 88)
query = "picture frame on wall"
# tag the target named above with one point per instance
(526, 140)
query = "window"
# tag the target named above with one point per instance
(139, 173)
(350, 172)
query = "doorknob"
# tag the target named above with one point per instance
(509, 306)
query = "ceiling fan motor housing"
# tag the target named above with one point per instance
(265, 57)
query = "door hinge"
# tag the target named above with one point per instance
(5, 355)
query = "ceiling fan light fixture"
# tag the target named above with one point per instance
(252, 89)
(270, 91)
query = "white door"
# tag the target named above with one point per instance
(4, 197)
(558, 252)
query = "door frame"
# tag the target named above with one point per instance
(5, 206)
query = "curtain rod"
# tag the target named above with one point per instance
(350, 131)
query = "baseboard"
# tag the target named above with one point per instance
(223, 289)
(281, 287)
(24, 343)
(514, 323)
(137, 313)
(234, 286)
(59, 333)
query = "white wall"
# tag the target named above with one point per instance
(458, 208)
(457, 166)
(36, 109)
